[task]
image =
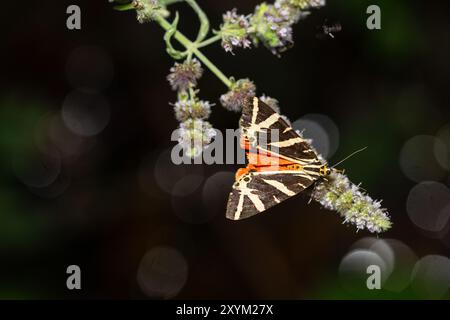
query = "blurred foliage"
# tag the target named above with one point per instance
(20, 224)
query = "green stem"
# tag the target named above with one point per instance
(192, 47)
(219, 74)
(204, 22)
(169, 2)
(209, 41)
(125, 7)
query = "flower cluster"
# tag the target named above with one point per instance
(240, 91)
(270, 24)
(194, 135)
(307, 4)
(192, 109)
(194, 132)
(185, 75)
(339, 194)
(273, 25)
(235, 31)
(148, 10)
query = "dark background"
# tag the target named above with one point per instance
(107, 208)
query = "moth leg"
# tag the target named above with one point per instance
(312, 192)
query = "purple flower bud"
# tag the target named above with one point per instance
(187, 109)
(185, 75)
(241, 90)
(234, 31)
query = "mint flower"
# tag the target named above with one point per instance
(234, 31)
(241, 90)
(339, 194)
(307, 4)
(148, 10)
(273, 25)
(192, 109)
(185, 75)
(194, 135)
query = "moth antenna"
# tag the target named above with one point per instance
(351, 155)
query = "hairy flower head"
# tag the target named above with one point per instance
(273, 25)
(234, 31)
(191, 109)
(307, 4)
(194, 135)
(339, 194)
(241, 90)
(185, 75)
(148, 10)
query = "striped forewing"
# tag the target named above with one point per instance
(261, 124)
(256, 192)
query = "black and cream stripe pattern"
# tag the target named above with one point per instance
(259, 122)
(256, 191)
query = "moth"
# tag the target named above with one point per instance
(277, 168)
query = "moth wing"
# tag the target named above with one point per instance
(268, 131)
(256, 192)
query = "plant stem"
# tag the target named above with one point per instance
(209, 41)
(169, 2)
(204, 22)
(219, 74)
(192, 47)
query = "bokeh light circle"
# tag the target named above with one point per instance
(384, 250)
(418, 161)
(404, 261)
(55, 189)
(162, 272)
(37, 170)
(187, 185)
(400, 260)
(431, 277)
(445, 235)
(85, 114)
(322, 130)
(426, 205)
(443, 156)
(353, 270)
(380, 247)
(215, 192)
(168, 175)
(67, 142)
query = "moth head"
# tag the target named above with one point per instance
(325, 170)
